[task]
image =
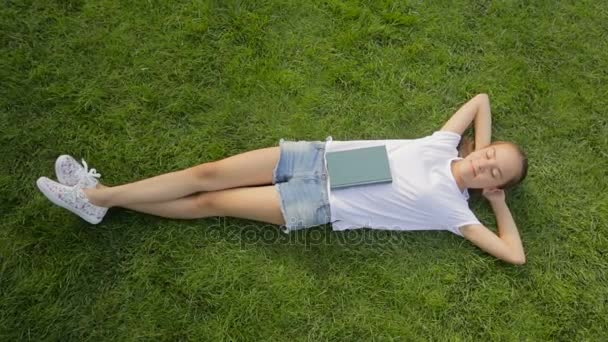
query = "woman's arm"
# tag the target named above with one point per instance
(476, 110)
(507, 244)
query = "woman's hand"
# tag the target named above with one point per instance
(494, 195)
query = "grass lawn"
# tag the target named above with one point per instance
(143, 87)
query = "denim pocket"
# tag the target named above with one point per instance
(322, 213)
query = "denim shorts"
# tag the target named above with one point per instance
(300, 177)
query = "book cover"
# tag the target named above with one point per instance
(361, 166)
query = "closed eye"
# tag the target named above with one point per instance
(496, 173)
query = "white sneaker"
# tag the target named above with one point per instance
(69, 172)
(71, 198)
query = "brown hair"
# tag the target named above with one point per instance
(467, 145)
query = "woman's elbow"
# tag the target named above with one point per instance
(483, 97)
(517, 259)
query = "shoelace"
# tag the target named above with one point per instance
(87, 176)
(91, 174)
(77, 192)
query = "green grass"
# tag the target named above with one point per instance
(140, 88)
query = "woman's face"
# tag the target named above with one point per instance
(490, 167)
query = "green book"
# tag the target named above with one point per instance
(360, 166)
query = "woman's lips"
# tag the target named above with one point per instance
(473, 167)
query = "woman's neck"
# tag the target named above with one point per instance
(457, 176)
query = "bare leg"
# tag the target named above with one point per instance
(250, 168)
(260, 203)
(181, 208)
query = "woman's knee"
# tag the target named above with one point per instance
(207, 203)
(206, 171)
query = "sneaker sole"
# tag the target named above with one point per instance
(51, 196)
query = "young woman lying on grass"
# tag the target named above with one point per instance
(288, 185)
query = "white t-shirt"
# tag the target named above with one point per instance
(422, 196)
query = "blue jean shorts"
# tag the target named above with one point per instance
(300, 177)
